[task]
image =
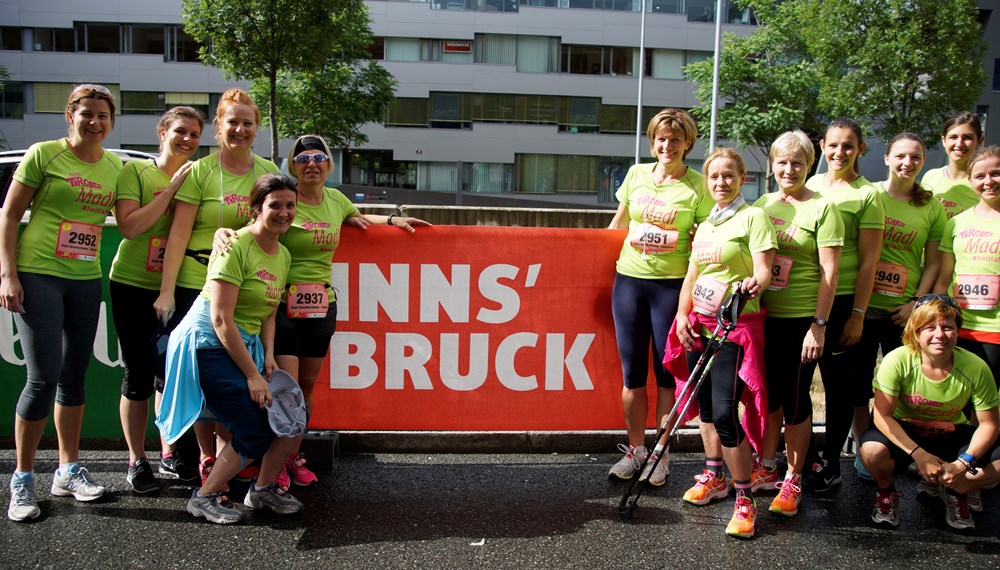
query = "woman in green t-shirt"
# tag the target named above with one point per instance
(921, 393)
(847, 393)
(143, 210)
(50, 278)
(810, 236)
(961, 136)
(307, 316)
(214, 195)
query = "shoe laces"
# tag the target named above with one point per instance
(706, 477)
(22, 493)
(82, 477)
(788, 488)
(961, 505)
(885, 500)
(297, 461)
(743, 506)
(630, 453)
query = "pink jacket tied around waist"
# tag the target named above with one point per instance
(749, 334)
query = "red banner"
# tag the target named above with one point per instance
(473, 328)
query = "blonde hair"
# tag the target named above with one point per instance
(992, 151)
(791, 142)
(675, 120)
(725, 152)
(295, 150)
(925, 314)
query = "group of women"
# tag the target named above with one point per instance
(836, 268)
(229, 317)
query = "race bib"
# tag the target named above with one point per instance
(890, 279)
(779, 272)
(707, 295)
(650, 238)
(77, 240)
(307, 301)
(976, 292)
(154, 257)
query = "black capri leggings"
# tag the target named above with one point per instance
(644, 310)
(719, 395)
(788, 378)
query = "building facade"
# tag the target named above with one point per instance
(535, 99)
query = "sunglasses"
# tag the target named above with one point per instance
(924, 299)
(86, 89)
(305, 158)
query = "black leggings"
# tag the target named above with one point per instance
(985, 350)
(788, 378)
(845, 386)
(719, 395)
(644, 311)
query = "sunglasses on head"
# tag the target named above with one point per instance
(924, 299)
(305, 158)
(85, 89)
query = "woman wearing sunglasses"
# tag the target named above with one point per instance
(50, 278)
(214, 195)
(921, 390)
(307, 315)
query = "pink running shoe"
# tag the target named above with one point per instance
(298, 472)
(281, 479)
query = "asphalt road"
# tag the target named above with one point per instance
(481, 511)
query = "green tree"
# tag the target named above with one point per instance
(892, 65)
(267, 41)
(768, 88)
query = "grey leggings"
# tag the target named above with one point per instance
(60, 318)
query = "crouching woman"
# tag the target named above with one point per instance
(922, 390)
(221, 352)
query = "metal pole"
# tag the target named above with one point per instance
(642, 72)
(715, 74)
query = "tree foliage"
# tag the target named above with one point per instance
(892, 65)
(296, 44)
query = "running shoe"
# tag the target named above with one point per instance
(744, 517)
(282, 480)
(885, 505)
(274, 498)
(77, 483)
(247, 474)
(174, 467)
(789, 497)
(860, 468)
(658, 476)
(627, 466)
(140, 477)
(821, 477)
(298, 472)
(925, 490)
(956, 512)
(707, 488)
(764, 479)
(213, 509)
(205, 468)
(23, 505)
(975, 499)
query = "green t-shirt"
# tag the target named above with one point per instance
(935, 404)
(956, 196)
(860, 210)
(261, 278)
(140, 263)
(724, 255)
(661, 218)
(907, 229)
(314, 235)
(975, 243)
(223, 202)
(801, 230)
(71, 202)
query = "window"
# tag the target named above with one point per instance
(53, 39)
(617, 119)
(536, 109)
(145, 39)
(610, 175)
(98, 38)
(496, 48)
(181, 47)
(579, 115)
(407, 112)
(585, 60)
(668, 64)
(493, 108)
(437, 176)
(200, 101)
(576, 173)
(667, 6)
(537, 54)
(536, 173)
(451, 111)
(489, 177)
(51, 97)
(10, 38)
(142, 103)
(12, 100)
(701, 10)
(377, 49)
(448, 51)
(402, 49)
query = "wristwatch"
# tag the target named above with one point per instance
(820, 321)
